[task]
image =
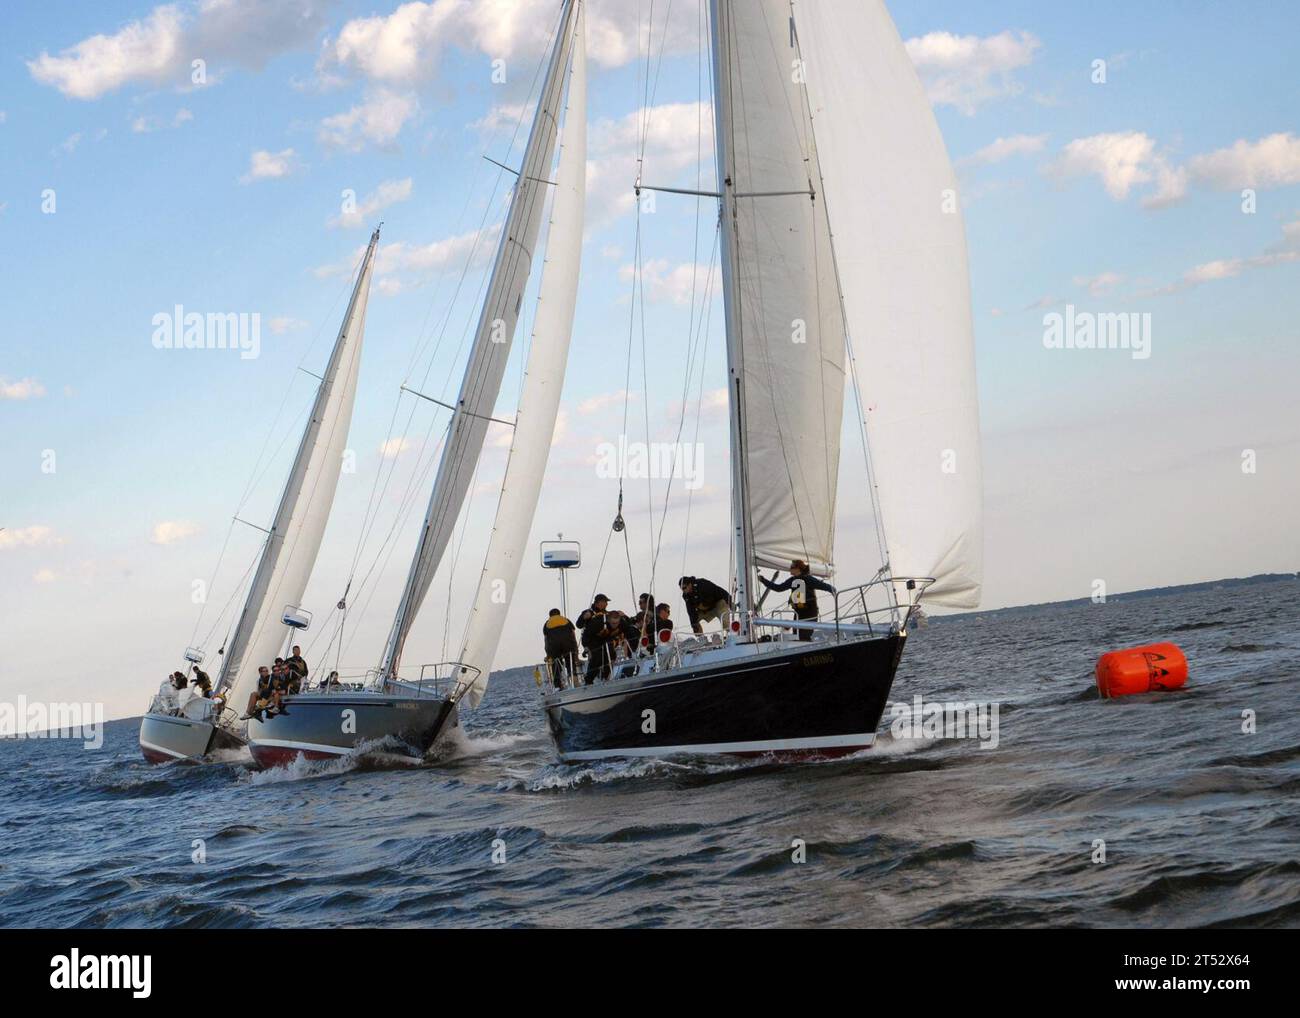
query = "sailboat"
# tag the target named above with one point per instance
(837, 205)
(416, 707)
(191, 729)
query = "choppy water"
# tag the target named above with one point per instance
(1201, 821)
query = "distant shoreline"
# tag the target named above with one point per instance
(1129, 595)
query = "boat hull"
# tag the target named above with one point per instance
(166, 738)
(324, 726)
(822, 699)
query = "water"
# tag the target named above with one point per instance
(1201, 822)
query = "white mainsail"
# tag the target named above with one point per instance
(539, 402)
(900, 248)
(289, 553)
(785, 325)
(492, 341)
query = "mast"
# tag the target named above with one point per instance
(491, 350)
(289, 552)
(740, 518)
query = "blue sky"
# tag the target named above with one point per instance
(1122, 196)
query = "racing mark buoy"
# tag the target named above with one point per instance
(1148, 669)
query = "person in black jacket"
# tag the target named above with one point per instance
(803, 587)
(595, 638)
(705, 601)
(560, 640)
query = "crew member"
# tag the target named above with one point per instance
(803, 587)
(560, 641)
(705, 601)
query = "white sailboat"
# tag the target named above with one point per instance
(174, 728)
(418, 706)
(838, 217)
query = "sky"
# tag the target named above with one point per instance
(231, 156)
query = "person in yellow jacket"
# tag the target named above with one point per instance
(560, 640)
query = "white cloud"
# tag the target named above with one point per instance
(378, 120)
(407, 45)
(676, 285)
(1100, 284)
(24, 388)
(158, 48)
(283, 323)
(264, 165)
(966, 71)
(677, 136)
(146, 124)
(595, 404)
(1004, 148)
(390, 192)
(394, 447)
(1131, 159)
(27, 537)
(1286, 253)
(418, 262)
(1124, 161)
(70, 143)
(45, 576)
(1273, 161)
(171, 531)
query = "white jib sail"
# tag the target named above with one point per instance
(785, 300)
(492, 341)
(539, 402)
(900, 247)
(289, 553)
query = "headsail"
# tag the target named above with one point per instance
(289, 554)
(544, 379)
(900, 247)
(784, 321)
(492, 342)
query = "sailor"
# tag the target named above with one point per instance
(265, 696)
(663, 621)
(202, 682)
(624, 636)
(296, 663)
(595, 638)
(705, 601)
(645, 615)
(560, 641)
(178, 680)
(803, 587)
(331, 681)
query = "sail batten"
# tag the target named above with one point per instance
(293, 542)
(490, 352)
(539, 401)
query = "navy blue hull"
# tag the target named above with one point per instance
(820, 699)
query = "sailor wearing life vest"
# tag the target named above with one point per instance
(803, 587)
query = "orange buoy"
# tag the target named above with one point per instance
(1146, 669)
